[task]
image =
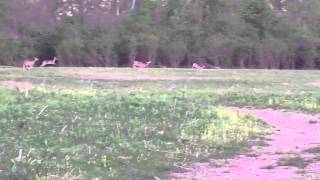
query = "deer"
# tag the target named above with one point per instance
(29, 64)
(49, 62)
(138, 64)
(197, 67)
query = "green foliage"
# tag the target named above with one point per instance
(224, 127)
(258, 14)
(305, 102)
(3, 10)
(11, 50)
(47, 43)
(173, 33)
(87, 126)
(110, 135)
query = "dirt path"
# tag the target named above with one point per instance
(138, 76)
(293, 152)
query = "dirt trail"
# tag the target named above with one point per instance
(285, 157)
(138, 76)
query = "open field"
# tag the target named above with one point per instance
(136, 124)
(259, 88)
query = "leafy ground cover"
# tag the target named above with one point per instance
(115, 136)
(124, 123)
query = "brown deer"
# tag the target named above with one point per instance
(197, 67)
(138, 64)
(29, 64)
(52, 62)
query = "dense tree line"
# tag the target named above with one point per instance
(278, 34)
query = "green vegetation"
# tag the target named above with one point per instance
(111, 135)
(269, 34)
(315, 150)
(297, 161)
(90, 125)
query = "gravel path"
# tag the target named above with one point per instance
(285, 157)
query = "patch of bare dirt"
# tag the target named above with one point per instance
(129, 77)
(285, 158)
(17, 85)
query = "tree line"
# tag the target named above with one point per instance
(273, 34)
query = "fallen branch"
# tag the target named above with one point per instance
(42, 110)
(75, 120)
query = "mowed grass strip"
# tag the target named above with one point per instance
(111, 135)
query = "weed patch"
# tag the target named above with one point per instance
(117, 136)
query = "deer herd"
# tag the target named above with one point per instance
(29, 64)
(195, 66)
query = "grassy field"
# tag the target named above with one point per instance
(135, 124)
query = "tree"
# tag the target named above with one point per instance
(227, 33)
(258, 14)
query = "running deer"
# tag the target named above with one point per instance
(197, 66)
(49, 62)
(138, 64)
(28, 64)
